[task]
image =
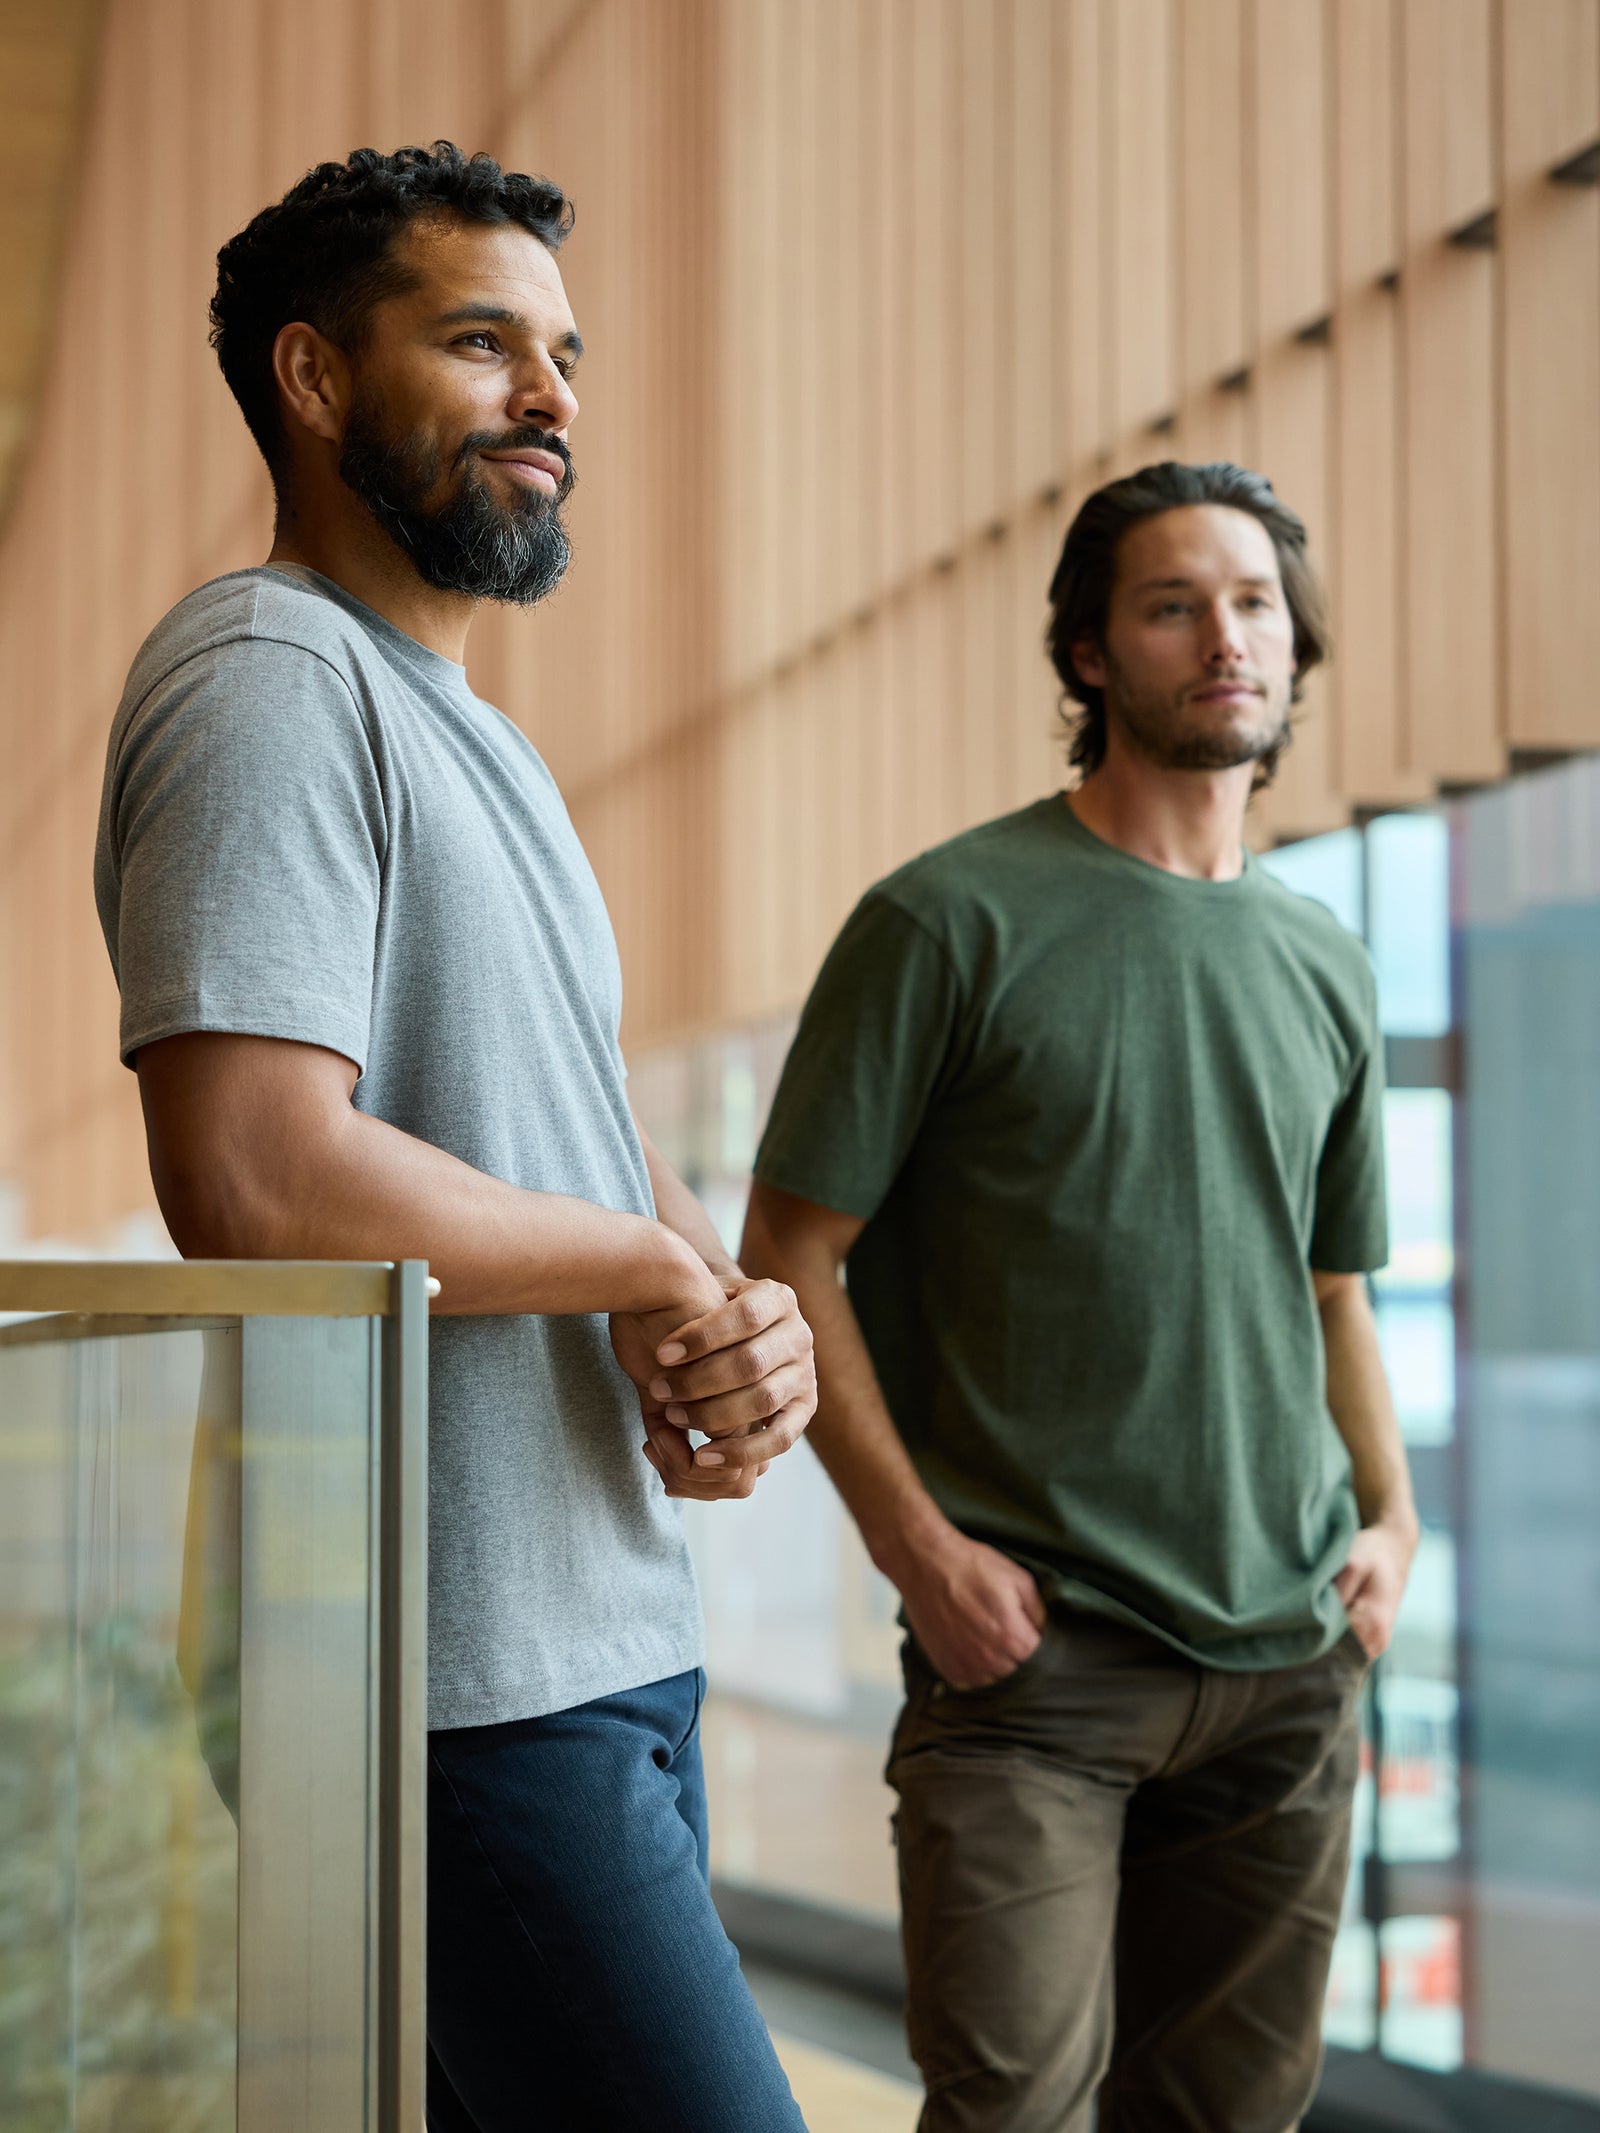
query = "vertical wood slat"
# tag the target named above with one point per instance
(1031, 150)
(1549, 332)
(1365, 553)
(1291, 389)
(1289, 128)
(933, 465)
(1141, 39)
(803, 537)
(1083, 320)
(979, 318)
(1448, 576)
(1038, 749)
(1213, 241)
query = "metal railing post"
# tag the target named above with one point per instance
(403, 1705)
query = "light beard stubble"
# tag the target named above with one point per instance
(1155, 727)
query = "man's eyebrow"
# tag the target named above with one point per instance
(490, 314)
(1147, 585)
(570, 344)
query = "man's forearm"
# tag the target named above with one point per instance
(1362, 1406)
(974, 1613)
(853, 1433)
(330, 1182)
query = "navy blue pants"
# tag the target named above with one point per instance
(579, 1980)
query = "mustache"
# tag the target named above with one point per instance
(1244, 679)
(526, 439)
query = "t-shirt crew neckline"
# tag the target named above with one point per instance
(449, 673)
(1129, 864)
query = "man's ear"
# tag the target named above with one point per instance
(1088, 661)
(313, 380)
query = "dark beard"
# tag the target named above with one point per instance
(469, 543)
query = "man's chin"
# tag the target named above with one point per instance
(1226, 747)
(492, 559)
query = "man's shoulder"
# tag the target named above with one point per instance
(975, 869)
(1318, 937)
(259, 606)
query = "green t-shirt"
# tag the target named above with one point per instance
(1100, 1120)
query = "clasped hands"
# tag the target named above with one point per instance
(742, 1372)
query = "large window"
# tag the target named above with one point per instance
(1397, 1966)
(1471, 1933)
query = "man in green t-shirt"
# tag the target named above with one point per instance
(1090, 1107)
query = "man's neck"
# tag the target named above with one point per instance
(352, 550)
(1188, 822)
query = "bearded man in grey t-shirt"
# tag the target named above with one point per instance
(372, 997)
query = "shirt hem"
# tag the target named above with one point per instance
(458, 1703)
(1253, 1652)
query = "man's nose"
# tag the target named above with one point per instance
(545, 398)
(1225, 645)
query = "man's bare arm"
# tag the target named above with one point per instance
(1373, 1579)
(976, 1614)
(257, 1152)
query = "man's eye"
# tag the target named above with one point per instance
(482, 340)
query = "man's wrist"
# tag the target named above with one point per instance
(907, 1544)
(678, 1275)
(1398, 1519)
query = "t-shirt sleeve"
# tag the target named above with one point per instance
(245, 837)
(874, 1040)
(1350, 1234)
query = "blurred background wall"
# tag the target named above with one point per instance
(876, 290)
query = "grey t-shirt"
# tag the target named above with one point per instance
(312, 829)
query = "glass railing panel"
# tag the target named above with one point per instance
(118, 1979)
(307, 1765)
(212, 1657)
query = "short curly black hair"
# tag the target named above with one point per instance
(325, 253)
(1080, 591)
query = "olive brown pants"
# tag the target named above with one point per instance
(1121, 1873)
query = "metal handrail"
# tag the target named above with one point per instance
(201, 1288)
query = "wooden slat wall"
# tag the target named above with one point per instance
(877, 291)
